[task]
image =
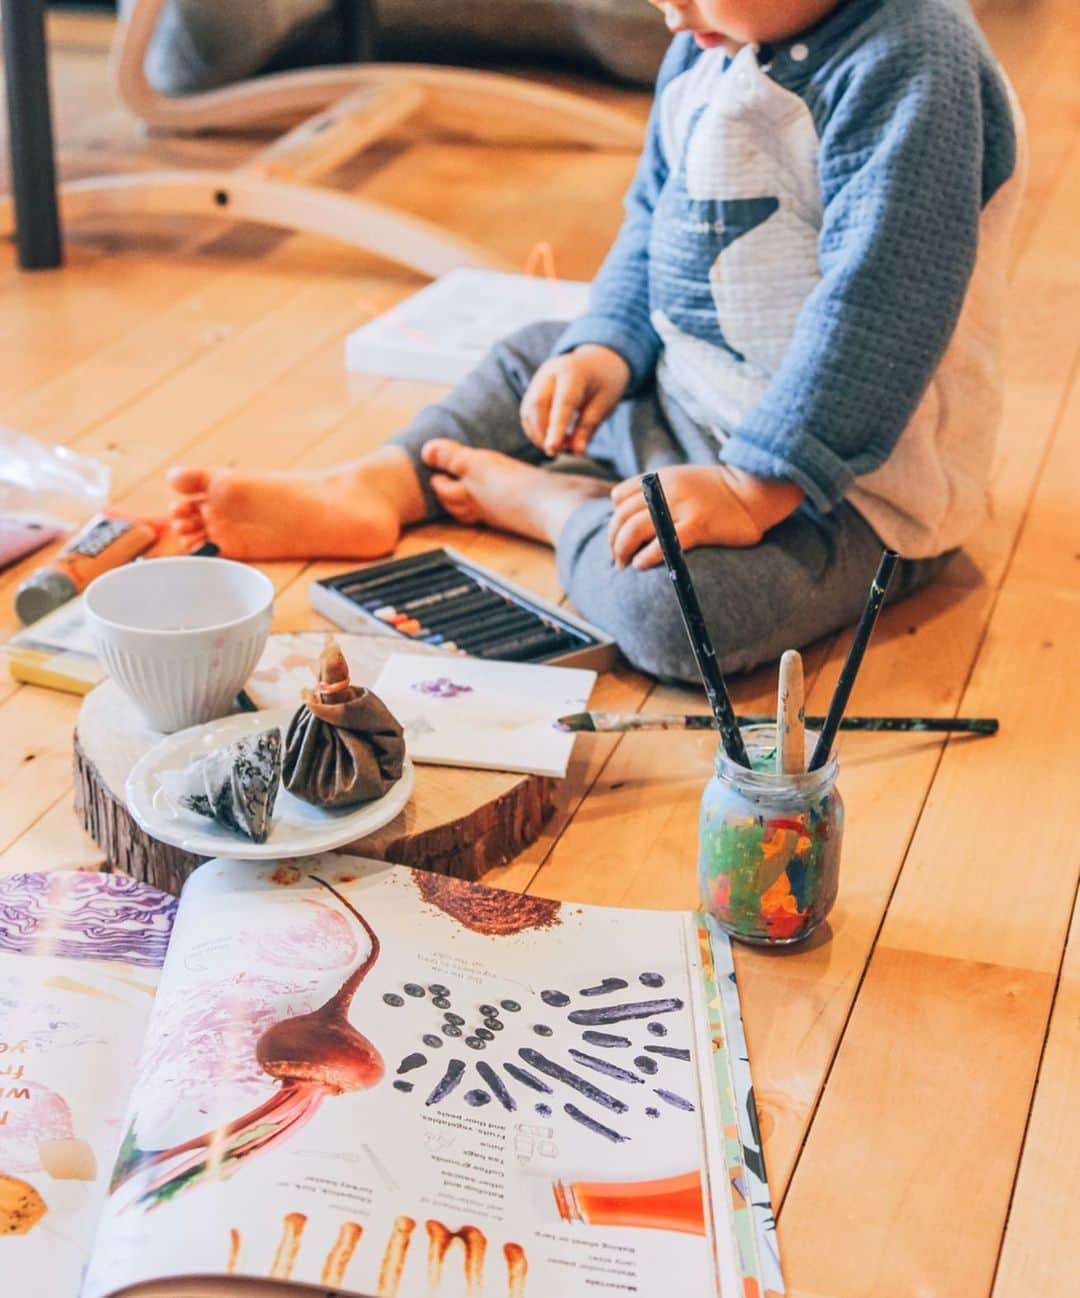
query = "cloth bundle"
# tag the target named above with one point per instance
(344, 746)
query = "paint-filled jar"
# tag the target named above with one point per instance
(769, 854)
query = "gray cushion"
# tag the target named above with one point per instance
(200, 44)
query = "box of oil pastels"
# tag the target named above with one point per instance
(341, 1077)
(442, 598)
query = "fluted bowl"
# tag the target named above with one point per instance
(180, 636)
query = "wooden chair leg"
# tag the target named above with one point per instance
(241, 196)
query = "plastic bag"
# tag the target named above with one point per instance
(48, 483)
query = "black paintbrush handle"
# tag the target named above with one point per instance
(853, 662)
(694, 620)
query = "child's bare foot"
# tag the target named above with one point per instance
(475, 486)
(339, 515)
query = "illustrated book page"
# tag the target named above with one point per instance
(79, 961)
(360, 1079)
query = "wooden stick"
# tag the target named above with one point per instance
(622, 722)
(853, 662)
(694, 620)
(791, 716)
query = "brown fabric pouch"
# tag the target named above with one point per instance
(341, 753)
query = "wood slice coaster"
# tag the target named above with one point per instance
(459, 822)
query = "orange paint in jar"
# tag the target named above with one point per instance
(106, 542)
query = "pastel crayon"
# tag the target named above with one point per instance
(512, 622)
(467, 610)
(425, 587)
(396, 594)
(536, 643)
(404, 570)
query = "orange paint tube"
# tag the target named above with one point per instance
(106, 542)
(674, 1203)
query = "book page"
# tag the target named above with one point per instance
(79, 962)
(370, 1080)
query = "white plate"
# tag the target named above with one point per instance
(298, 829)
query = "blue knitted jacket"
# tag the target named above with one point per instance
(806, 226)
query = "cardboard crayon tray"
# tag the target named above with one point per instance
(442, 599)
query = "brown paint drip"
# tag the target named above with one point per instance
(517, 1268)
(393, 1262)
(234, 1251)
(474, 1242)
(490, 911)
(339, 1257)
(292, 1232)
(285, 876)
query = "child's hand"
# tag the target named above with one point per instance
(710, 505)
(571, 395)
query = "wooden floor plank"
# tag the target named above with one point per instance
(1041, 1252)
(938, 1063)
(896, 1061)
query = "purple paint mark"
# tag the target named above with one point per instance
(669, 1052)
(676, 1101)
(526, 1078)
(442, 687)
(621, 1013)
(455, 1070)
(602, 1066)
(498, 1086)
(606, 1040)
(551, 1069)
(605, 988)
(572, 1111)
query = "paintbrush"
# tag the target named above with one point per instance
(621, 722)
(694, 621)
(790, 716)
(863, 631)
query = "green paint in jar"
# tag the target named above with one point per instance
(769, 854)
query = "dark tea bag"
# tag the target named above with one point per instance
(235, 785)
(344, 746)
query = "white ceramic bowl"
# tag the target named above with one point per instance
(180, 636)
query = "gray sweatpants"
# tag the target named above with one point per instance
(809, 576)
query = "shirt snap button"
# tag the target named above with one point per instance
(800, 53)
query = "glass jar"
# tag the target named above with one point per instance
(769, 853)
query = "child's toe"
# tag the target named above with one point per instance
(189, 482)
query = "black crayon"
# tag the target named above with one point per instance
(396, 596)
(401, 570)
(505, 626)
(541, 644)
(450, 591)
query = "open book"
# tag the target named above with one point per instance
(339, 1077)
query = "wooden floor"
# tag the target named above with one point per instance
(917, 1070)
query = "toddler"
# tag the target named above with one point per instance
(798, 326)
